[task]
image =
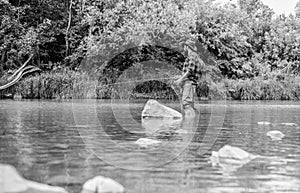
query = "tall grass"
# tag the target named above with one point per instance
(259, 88)
(64, 84)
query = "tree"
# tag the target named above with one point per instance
(297, 10)
(132, 23)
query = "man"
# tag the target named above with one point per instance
(191, 73)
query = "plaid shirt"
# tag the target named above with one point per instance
(194, 69)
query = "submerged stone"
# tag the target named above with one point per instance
(145, 142)
(230, 158)
(12, 182)
(100, 184)
(275, 135)
(155, 109)
(289, 124)
(264, 123)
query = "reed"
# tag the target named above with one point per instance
(260, 88)
(64, 84)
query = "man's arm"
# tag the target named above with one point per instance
(182, 79)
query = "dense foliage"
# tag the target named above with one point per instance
(247, 41)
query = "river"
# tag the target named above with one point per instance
(65, 143)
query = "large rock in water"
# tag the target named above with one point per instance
(230, 158)
(156, 126)
(156, 110)
(100, 184)
(11, 181)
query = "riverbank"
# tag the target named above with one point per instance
(260, 88)
(63, 84)
(68, 84)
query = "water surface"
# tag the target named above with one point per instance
(66, 143)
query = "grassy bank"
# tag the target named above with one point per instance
(260, 88)
(66, 84)
(63, 84)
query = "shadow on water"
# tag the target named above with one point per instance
(114, 130)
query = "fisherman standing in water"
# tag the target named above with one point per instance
(191, 73)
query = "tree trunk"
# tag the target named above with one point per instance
(20, 74)
(68, 28)
(27, 61)
(2, 62)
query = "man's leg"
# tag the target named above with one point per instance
(188, 99)
(189, 124)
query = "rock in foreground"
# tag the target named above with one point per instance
(156, 110)
(230, 158)
(275, 135)
(12, 182)
(100, 184)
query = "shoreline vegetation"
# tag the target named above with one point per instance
(68, 84)
(82, 47)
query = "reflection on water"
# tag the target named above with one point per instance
(65, 143)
